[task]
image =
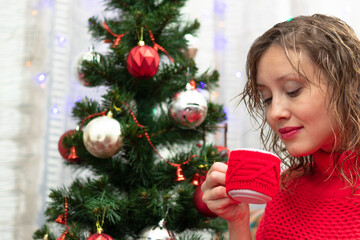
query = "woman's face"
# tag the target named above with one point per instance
(296, 108)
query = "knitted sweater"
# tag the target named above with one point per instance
(317, 206)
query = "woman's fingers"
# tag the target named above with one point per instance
(215, 176)
(218, 166)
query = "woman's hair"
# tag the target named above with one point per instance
(334, 48)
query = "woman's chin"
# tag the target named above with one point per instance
(297, 153)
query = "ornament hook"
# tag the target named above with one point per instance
(141, 41)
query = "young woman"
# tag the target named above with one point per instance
(304, 83)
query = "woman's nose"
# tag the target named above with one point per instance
(279, 108)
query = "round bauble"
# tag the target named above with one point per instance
(67, 154)
(92, 57)
(157, 233)
(188, 109)
(143, 62)
(100, 236)
(63, 150)
(103, 137)
(223, 151)
(199, 204)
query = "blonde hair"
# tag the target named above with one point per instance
(334, 48)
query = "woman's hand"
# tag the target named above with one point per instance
(218, 201)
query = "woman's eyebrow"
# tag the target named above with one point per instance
(280, 78)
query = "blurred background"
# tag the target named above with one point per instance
(39, 40)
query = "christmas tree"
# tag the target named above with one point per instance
(144, 142)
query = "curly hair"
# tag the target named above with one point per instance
(334, 48)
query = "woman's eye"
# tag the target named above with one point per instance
(267, 101)
(294, 93)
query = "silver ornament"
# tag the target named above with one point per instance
(157, 233)
(188, 108)
(90, 56)
(103, 137)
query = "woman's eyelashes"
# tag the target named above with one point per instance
(292, 94)
(267, 101)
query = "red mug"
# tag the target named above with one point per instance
(253, 175)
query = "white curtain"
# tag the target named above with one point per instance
(39, 40)
(22, 117)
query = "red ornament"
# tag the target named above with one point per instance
(61, 219)
(200, 206)
(179, 174)
(100, 236)
(69, 155)
(64, 152)
(72, 156)
(195, 180)
(143, 61)
(224, 151)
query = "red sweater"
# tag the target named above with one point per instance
(318, 206)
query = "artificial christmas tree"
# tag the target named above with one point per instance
(143, 163)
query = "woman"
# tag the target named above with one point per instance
(303, 82)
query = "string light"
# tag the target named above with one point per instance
(206, 14)
(220, 42)
(238, 74)
(219, 7)
(55, 110)
(226, 111)
(41, 78)
(215, 94)
(61, 40)
(221, 24)
(220, 39)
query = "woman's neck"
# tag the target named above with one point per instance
(326, 162)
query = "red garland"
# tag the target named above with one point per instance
(91, 116)
(60, 219)
(157, 46)
(63, 235)
(177, 165)
(118, 36)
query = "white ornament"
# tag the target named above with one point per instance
(103, 137)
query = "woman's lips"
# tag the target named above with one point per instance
(289, 132)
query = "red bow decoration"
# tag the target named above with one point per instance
(157, 46)
(60, 219)
(117, 36)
